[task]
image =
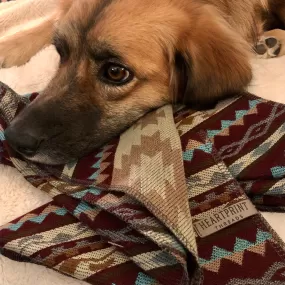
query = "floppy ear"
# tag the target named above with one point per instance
(211, 61)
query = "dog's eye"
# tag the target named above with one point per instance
(116, 74)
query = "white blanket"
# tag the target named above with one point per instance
(16, 195)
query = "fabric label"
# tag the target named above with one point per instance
(230, 215)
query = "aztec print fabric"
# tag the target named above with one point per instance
(228, 153)
(168, 202)
(99, 235)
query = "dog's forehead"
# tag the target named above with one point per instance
(134, 17)
(136, 27)
(138, 30)
(126, 18)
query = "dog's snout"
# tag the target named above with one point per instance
(22, 141)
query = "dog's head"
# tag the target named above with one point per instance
(119, 59)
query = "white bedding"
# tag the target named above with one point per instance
(16, 195)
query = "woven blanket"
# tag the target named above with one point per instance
(173, 200)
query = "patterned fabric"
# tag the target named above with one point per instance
(170, 201)
(230, 154)
(97, 235)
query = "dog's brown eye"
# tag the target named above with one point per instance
(116, 74)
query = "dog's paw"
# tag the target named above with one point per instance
(268, 47)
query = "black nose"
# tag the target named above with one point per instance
(21, 141)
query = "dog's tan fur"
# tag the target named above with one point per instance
(191, 51)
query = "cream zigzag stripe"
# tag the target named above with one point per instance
(236, 257)
(31, 244)
(165, 169)
(238, 166)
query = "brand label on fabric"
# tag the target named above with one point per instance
(230, 215)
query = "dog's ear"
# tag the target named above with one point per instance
(211, 61)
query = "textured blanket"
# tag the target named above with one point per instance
(16, 195)
(168, 202)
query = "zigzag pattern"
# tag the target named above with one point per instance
(97, 165)
(236, 256)
(91, 211)
(188, 154)
(36, 219)
(83, 207)
(225, 124)
(81, 194)
(151, 167)
(187, 122)
(106, 164)
(101, 165)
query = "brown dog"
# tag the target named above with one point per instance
(122, 58)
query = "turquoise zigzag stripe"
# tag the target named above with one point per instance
(238, 115)
(97, 165)
(38, 219)
(278, 171)
(240, 245)
(82, 208)
(188, 154)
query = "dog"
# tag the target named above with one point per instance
(120, 59)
